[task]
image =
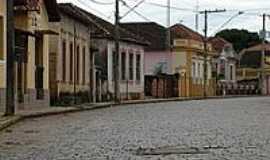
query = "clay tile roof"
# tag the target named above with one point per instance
(218, 43)
(154, 33)
(183, 32)
(51, 6)
(103, 28)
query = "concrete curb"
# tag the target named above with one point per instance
(88, 107)
(10, 121)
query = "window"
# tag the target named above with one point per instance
(64, 60)
(83, 65)
(78, 65)
(231, 72)
(123, 66)
(113, 65)
(1, 38)
(138, 67)
(199, 70)
(71, 62)
(193, 69)
(131, 67)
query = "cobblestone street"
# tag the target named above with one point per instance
(229, 129)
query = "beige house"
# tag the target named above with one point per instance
(2, 53)
(71, 58)
(31, 50)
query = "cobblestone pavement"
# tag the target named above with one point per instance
(230, 129)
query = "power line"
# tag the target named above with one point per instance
(136, 12)
(133, 8)
(172, 7)
(102, 3)
(88, 6)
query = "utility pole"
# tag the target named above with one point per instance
(206, 12)
(197, 16)
(168, 25)
(10, 98)
(116, 54)
(262, 78)
(75, 63)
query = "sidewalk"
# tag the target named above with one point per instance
(33, 113)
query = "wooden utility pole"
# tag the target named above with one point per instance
(116, 54)
(168, 42)
(262, 78)
(205, 75)
(10, 98)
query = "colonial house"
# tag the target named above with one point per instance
(188, 59)
(225, 61)
(71, 57)
(250, 69)
(131, 60)
(2, 53)
(185, 58)
(32, 51)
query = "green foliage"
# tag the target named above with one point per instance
(240, 38)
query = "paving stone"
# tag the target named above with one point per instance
(232, 129)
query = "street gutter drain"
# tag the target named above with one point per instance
(169, 151)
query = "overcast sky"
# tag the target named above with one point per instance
(250, 20)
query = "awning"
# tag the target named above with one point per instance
(46, 31)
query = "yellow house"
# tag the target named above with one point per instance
(2, 53)
(188, 61)
(31, 51)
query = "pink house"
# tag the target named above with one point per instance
(157, 59)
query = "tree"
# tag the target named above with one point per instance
(240, 38)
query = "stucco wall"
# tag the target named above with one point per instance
(152, 60)
(132, 86)
(3, 62)
(66, 33)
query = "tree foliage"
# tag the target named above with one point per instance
(240, 38)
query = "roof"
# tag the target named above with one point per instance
(71, 10)
(218, 43)
(51, 7)
(251, 57)
(154, 33)
(103, 28)
(183, 32)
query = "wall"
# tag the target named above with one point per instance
(3, 60)
(153, 59)
(66, 33)
(132, 86)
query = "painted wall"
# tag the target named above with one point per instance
(3, 49)
(154, 60)
(66, 33)
(133, 86)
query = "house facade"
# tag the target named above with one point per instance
(250, 69)
(188, 59)
(225, 61)
(2, 53)
(131, 61)
(184, 60)
(71, 58)
(32, 51)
